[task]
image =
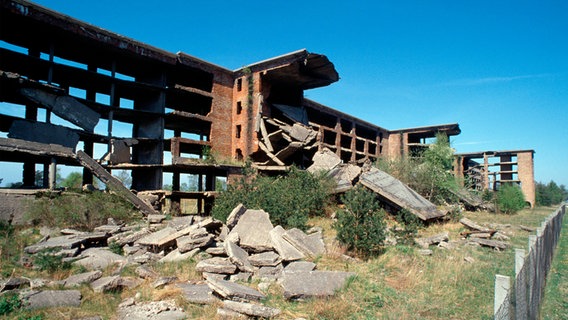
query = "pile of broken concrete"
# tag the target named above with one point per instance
(248, 248)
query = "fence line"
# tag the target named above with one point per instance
(523, 300)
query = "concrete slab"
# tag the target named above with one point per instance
(269, 259)
(216, 265)
(238, 257)
(324, 160)
(79, 279)
(286, 250)
(396, 193)
(177, 256)
(52, 299)
(313, 284)
(253, 229)
(250, 309)
(197, 293)
(234, 291)
(98, 259)
(311, 245)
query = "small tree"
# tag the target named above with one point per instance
(73, 181)
(360, 225)
(510, 198)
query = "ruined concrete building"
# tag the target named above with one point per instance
(156, 113)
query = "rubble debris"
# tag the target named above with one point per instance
(238, 257)
(156, 310)
(216, 265)
(472, 202)
(324, 160)
(435, 239)
(234, 291)
(396, 193)
(163, 281)
(268, 259)
(344, 176)
(311, 245)
(474, 226)
(286, 251)
(98, 259)
(297, 266)
(235, 215)
(79, 279)
(498, 245)
(14, 283)
(177, 256)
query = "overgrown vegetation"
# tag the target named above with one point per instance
(550, 194)
(289, 199)
(9, 303)
(83, 211)
(429, 173)
(48, 261)
(361, 223)
(510, 198)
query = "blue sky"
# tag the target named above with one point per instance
(498, 68)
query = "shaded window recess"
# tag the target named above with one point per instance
(238, 131)
(239, 107)
(239, 154)
(240, 84)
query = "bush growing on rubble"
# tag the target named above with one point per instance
(289, 199)
(360, 225)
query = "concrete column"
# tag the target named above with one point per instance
(502, 286)
(52, 173)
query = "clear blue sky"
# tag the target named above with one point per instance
(498, 68)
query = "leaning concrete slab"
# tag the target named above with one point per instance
(286, 250)
(58, 243)
(311, 245)
(303, 285)
(113, 183)
(238, 256)
(253, 229)
(324, 160)
(396, 193)
(65, 107)
(78, 279)
(234, 291)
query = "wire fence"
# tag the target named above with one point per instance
(523, 300)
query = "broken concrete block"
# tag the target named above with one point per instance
(324, 160)
(235, 215)
(155, 218)
(156, 239)
(286, 251)
(241, 276)
(14, 283)
(268, 258)
(216, 265)
(234, 291)
(62, 242)
(52, 299)
(155, 310)
(253, 310)
(311, 245)
(269, 273)
(223, 313)
(238, 257)
(106, 284)
(176, 256)
(197, 293)
(119, 152)
(215, 276)
(297, 266)
(79, 279)
(130, 237)
(435, 239)
(216, 251)
(303, 285)
(188, 243)
(98, 259)
(253, 229)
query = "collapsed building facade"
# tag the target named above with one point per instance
(156, 113)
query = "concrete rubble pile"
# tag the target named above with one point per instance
(247, 248)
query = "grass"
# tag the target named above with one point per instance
(399, 284)
(555, 302)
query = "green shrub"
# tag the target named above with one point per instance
(510, 198)
(9, 303)
(360, 225)
(289, 199)
(47, 260)
(409, 226)
(78, 210)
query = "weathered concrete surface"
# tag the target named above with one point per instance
(156, 239)
(79, 279)
(398, 194)
(14, 205)
(155, 310)
(67, 242)
(197, 293)
(216, 265)
(35, 131)
(435, 239)
(235, 215)
(98, 258)
(344, 175)
(52, 299)
(297, 266)
(176, 256)
(268, 258)
(238, 257)
(120, 152)
(253, 310)
(145, 272)
(269, 273)
(234, 291)
(303, 285)
(163, 281)
(324, 160)
(253, 229)
(286, 250)
(311, 245)
(188, 243)
(14, 283)
(65, 107)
